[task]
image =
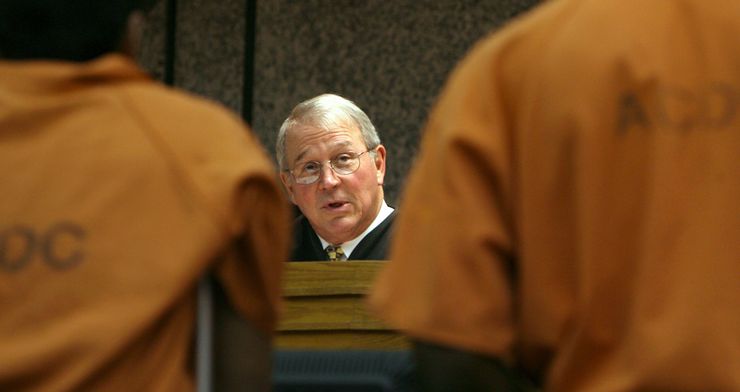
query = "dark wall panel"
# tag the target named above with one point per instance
(209, 50)
(153, 51)
(390, 57)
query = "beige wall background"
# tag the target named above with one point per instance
(261, 57)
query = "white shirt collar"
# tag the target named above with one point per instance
(350, 245)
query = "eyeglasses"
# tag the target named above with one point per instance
(343, 164)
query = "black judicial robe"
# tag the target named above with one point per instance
(307, 246)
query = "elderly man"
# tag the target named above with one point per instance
(332, 165)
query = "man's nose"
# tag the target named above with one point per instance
(328, 178)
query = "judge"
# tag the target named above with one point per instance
(332, 166)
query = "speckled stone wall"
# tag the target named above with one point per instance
(206, 54)
(209, 52)
(153, 53)
(390, 57)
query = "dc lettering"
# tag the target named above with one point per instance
(60, 246)
(680, 109)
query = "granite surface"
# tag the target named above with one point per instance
(390, 57)
(152, 54)
(209, 49)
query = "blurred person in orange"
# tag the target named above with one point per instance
(117, 195)
(572, 221)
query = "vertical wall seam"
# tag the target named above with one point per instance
(170, 42)
(250, 20)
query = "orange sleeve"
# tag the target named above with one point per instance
(252, 269)
(257, 216)
(450, 276)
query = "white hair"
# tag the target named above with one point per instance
(325, 111)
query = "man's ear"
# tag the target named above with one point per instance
(288, 185)
(380, 163)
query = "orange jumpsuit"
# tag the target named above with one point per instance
(575, 206)
(116, 195)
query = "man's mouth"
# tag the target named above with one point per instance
(335, 205)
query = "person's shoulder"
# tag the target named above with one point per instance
(159, 103)
(302, 228)
(503, 61)
(524, 26)
(306, 245)
(300, 221)
(204, 143)
(532, 32)
(202, 129)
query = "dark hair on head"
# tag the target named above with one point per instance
(75, 30)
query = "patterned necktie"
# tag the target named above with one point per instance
(336, 253)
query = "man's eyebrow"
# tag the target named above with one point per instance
(340, 144)
(301, 155)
